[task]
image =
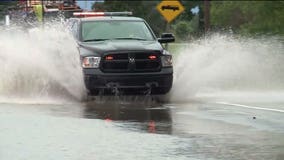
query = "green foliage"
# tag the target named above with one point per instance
(249, 17)
(265, 18)
(147, 10)
(182, 29)
(245, 17)
(187, 29)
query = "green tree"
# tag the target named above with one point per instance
(187, 29)
(264, 17)
(147, 10)
(182, 30)
(249, 17)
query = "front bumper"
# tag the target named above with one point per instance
(96, 79)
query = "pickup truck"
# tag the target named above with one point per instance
(121, 53)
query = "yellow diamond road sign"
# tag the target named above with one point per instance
(170, 9)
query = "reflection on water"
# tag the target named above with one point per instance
(140, 113)
(198, 131)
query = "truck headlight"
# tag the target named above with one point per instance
(167, 60)
(91, 62)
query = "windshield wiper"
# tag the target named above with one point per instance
(92, 40)
(131, 38)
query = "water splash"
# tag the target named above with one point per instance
(39, 63)
(224, 63)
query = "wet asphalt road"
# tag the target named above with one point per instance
(141, 128)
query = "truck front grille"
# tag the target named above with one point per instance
(131, 62)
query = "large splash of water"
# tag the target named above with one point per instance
(226, 65)
(42, 63)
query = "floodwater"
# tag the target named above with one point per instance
(116, 129)
(227, 102)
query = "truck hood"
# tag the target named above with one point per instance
(114, 46)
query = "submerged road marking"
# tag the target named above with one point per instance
(251, 107)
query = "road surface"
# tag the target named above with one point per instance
(141, 128)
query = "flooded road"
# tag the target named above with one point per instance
(142, 128)
(227, 103)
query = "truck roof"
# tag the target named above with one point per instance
(106, 18)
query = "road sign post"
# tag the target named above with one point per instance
(206, 15)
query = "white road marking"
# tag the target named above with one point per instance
(251, 107)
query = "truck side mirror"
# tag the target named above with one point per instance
(166, 38)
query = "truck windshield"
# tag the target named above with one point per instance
(110, 30)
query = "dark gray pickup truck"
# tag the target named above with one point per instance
(122, 53)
